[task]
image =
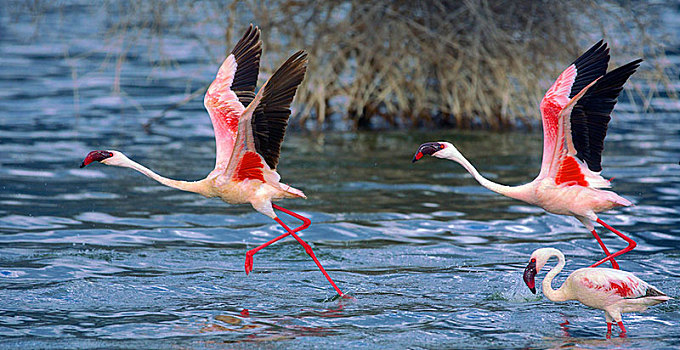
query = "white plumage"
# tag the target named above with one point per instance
(613, 291)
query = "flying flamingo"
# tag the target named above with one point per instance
(575, 110)
(248, 138)
(613, 291)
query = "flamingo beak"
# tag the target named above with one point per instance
(428, 148)
(529, 274)
(97, 156)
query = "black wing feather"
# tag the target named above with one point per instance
(590, 66)
(591, 114)
(247, 54)
(653, 292)
(270, 118)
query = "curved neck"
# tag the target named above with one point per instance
(517, 192)
(559, 294)
(189, 186)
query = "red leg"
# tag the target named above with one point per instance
(609, 328)
(304, 244)
(249, 254)
(308, 249)
(631, 244)
(615, 265)
(310, 252)
(565, 329)
(623, 329)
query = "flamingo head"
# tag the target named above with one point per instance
(436, 149)
(105, 157)
(529, 274)
(538, 259)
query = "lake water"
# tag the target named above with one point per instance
(103, 257)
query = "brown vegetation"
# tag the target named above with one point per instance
(396, 63)
(456, 63)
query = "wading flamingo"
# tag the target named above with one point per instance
(613, 291)
(575, 110)
(248, 138)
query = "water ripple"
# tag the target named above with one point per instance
(103, 257)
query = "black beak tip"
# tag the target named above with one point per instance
(417, 156)
(82, 165)
(533, 290)
(426, 149)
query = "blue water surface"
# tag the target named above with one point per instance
(105, 258)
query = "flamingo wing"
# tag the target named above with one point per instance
(263, 125)
(232, 89)
(583, 128)
(583, 71)
(591, 115)
(621, 283)
(576, 111)
(270, 118)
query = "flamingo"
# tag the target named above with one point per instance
(614, 291)
(248, 139)
(575, 112)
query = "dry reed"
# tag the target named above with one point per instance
(401, 64)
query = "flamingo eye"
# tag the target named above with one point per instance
(441, 146)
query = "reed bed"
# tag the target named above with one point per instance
(404, 64)
(464, 64)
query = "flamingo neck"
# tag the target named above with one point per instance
(516, 192)
(189, 186)
(550, 293)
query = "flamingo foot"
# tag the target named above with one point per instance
(623, 329)
(631, 244)
(250, 253)
(249, 261)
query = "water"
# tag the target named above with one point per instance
(105, 258)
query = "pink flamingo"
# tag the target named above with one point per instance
(248, 138)
(575, 110)
(613, 291)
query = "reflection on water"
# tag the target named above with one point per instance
(104, 257)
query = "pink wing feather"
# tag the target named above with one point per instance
(621, 283)
(233, 87)
(560, 160)
(224, 109)
(555, 99)
(272, 103)
(575, 114)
